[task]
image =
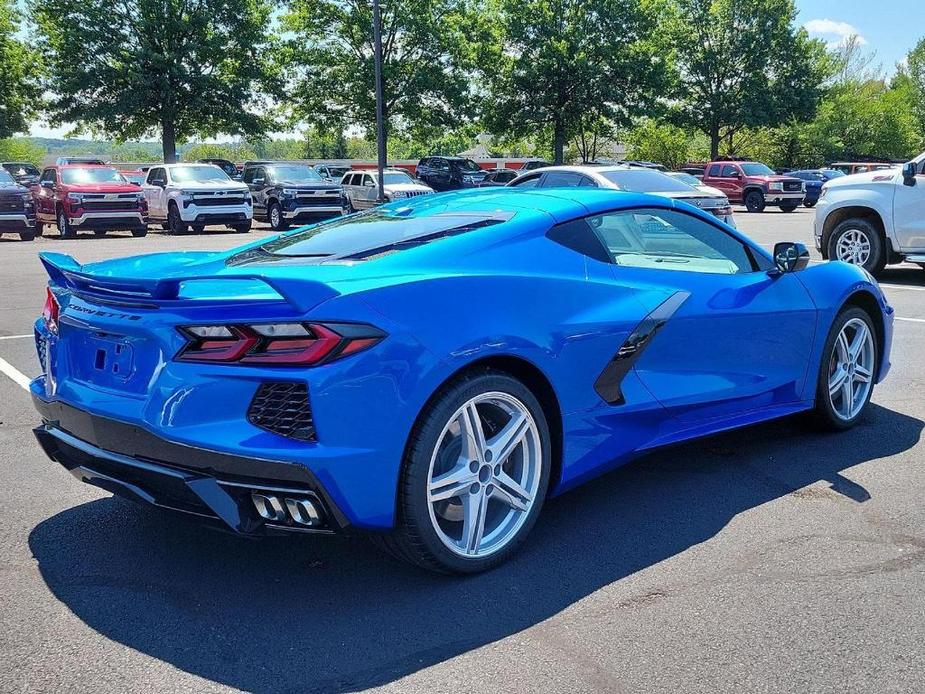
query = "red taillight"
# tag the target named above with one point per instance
(50, 310)
(277, 344)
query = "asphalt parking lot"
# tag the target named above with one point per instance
(770, 559)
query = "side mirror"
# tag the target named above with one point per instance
(48, 184)
(159, 182)
(369, 184)
(790, 256)
(909, 172)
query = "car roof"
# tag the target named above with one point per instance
(77, 165)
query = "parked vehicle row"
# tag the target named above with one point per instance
(287, 193)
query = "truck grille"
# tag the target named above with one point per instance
(10, 203)
(111, 206)
(793, 186)
(282, 407)
(325, 199)
(218, 201)
(415, 193)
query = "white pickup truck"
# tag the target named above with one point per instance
(874, 219)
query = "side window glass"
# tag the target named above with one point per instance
(561, 179)
(669, 240)
(587, 182)
(367, 180)
(248, 176)
(714, 170)
(529, 182)
(729, 171)
(48, 175)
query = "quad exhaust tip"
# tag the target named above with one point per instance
(301, 511)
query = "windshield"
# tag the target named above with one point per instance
(832, 173)
(757, 170)
(645, 181)
(5, 178)
(396, 177)
(294, 173)
(133, 177)
(22, 170)
(465, 164)
(686, 178)
(198, 174)
(91, 175)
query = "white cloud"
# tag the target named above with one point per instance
(837, 32)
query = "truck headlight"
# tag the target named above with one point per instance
(776, 185)
(289, 192)
(186, 194)
(825, 189)
(75, 198)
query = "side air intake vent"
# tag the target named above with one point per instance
(283, 408)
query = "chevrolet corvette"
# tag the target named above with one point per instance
(429, 372)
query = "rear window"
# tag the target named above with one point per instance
(372, 234)
(645, 181)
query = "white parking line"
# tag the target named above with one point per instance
(14, 337)
(903, 286)
(911, 320)
(18, 377)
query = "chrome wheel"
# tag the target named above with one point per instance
(484, 474)
(853, 246)
(275, 216)
(851, 369)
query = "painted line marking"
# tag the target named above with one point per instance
(903, 286)
(910, 320)
(14, 337)
(18, 377)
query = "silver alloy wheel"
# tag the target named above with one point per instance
(851, 369)
(853, 247)
(62, 224)
(275, 216)
(484, 474)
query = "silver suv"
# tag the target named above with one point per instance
(362, 187)
(184, 195)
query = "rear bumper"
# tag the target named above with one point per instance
(216, 487)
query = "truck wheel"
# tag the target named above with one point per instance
(27, 235)
(175, 224)
(39, 229)
(242, 228)
(275, 215)
(140, 232)
(199, 228)
(99, 232)
(754, 201)
(789, 207)
(809, 204)
(858, 242)
(64, 227)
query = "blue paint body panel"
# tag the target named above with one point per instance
(740, 349)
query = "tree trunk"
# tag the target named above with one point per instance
(714, 141)
(169, 142)
(558, 142)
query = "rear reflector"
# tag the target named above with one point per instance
(50, 310)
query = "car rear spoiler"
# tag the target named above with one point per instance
(65, 271)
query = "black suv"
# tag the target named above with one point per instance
(227, 166)
(449, 173)
(286, 193)
(17, 210)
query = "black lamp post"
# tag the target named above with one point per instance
(380, 124)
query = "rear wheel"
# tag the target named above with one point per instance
(847, 372)
(242, 228)
(27, 235)
(99, 232)
(858, 242)
(39, 229)
(140, 232)
(790, 206)
(754, 201)
(64, 226)
(810, 204)
(474, 477)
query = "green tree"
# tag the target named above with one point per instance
(915, 72)
(664, 143)
(177, 68)
(20, 94)
(208, 150)
(742, 63)
(330, 54)
(22, 149)
(560, 63)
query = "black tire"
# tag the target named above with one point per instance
(241, 228)
(39, 229)
(175, 223)
(99, 232)
(350, 208)
(140, 232)
(27, 235)
(823, 415)
(810, 204)
(275, 217)
(876, 261)
(414, 538)
(65, 229)
(199, 228)
(789, 207)
(754, 201)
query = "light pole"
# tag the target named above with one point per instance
(380, 124)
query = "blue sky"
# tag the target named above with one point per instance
(889, 27)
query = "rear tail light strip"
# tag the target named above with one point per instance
(276, 344)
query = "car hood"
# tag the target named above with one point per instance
(12, 189)
(711, 191)
(319, 185)
(883, 176)
(100, 188)
(231, 186)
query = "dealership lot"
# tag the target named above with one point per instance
(774, 558)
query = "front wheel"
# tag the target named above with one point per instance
(475, 475)
(27, 235)
(199, 228)
(140, 232)
(848, 370)
(858, 242)
(810, 204)
(754, 201)
(175, 223)
(242, 228)
(64, 226)
(789, 207)
(275, 215)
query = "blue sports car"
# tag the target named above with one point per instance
(430, 371)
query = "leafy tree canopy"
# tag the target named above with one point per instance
(20, 94)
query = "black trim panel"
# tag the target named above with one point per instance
(608, 383)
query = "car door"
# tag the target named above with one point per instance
(258, 187)
(44, 196)
(154, 194)
(369, 192)
(909, 211)
(731, 336)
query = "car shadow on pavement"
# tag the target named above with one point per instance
(332, 614)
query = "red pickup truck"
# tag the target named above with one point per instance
(754, 185)
(86, 196)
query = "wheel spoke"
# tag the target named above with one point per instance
(510, 492)
(473, 436)
(506, 441)
(454, 483)
(841, 344)
(837, 380)
(475, 506)
(847, 392)
(862, 374)
(857, 343)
